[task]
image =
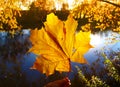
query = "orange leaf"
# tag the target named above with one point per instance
(57, 44)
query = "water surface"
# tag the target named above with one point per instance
(15, 61)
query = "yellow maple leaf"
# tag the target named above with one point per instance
(57, 44)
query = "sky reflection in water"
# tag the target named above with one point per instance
(100, 41)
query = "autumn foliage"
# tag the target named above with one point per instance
(57, 44)
(99, 15)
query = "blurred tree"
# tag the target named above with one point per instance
(8, 11)
(117, 5)
(64, 6)
(44, 4)
(98, 15)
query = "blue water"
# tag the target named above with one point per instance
(25, 60)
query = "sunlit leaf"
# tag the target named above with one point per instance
(57, 44)
(81, 46)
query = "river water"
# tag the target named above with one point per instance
(15, 61)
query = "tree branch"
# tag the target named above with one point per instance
(117, 5)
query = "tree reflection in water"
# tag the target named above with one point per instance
(15, 63)
(12, 50)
